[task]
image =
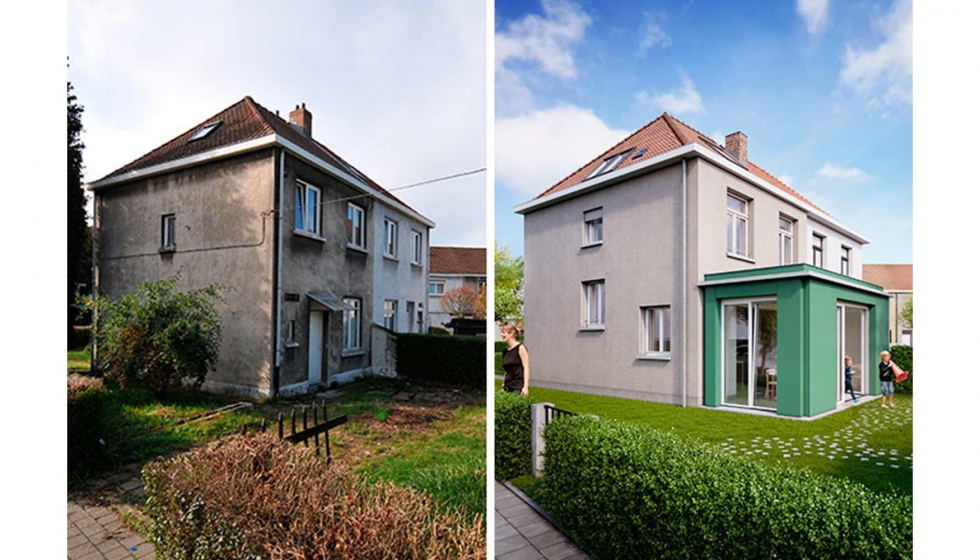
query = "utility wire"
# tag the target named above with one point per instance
(401, 188)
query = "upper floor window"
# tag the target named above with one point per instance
(738, 226)
(391, 238)
(355, 226)
(656, 331)
(845, 261)
(437, 288)
(307, 208)
(818, 250)
(786, 230)
(594, 301)
(352, 324)
(416, 247)
(593, 226)
(168, 231)
(390, 314)
(609, 164)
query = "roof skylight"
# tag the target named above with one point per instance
(609, 164)
(205, 130)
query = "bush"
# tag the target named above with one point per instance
(626, 491)
(159, 337)
(512, 435)
(447, 359)
(902, 356)
(87, 405)
(259, 497)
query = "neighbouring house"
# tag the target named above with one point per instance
(321, 262)
(672, 269)
(896, 279)
(451, 268)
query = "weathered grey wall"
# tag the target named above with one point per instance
(323, 266)
(398, 279)
(216, 205)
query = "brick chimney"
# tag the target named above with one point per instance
(302, 119)
(738, 144)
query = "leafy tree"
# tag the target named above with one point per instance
(508, 289)
(461, 302)
(481, 303)
(78, 270)
(159, 337)
(905, 315)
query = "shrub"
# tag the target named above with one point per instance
(160, 337)
(447, 359)
(902, 356)
(512, 435)
(627, 491)
(87, 405)
(259, 497)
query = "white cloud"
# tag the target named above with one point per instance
(536, 150)
(786, 179)
(884, 71)
(140, 87)
(832, 171)
(653, 35)
(718, 136)
(546, 41)
(814, 13)
(685, 99)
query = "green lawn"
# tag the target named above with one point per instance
(883, 430)
(79, 360)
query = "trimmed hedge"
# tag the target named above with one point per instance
(512, 435)
(87, 406)
(259, 497)
(446, 359)
(902, 355)
(626, 491)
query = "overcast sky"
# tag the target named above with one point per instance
(823, 89)
(398, 90)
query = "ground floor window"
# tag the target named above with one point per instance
(655, 336)
(594, 295)
(749, 353)
(391, 314)
(352, 324)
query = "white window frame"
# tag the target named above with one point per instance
(593, 229)
(168, 231)
(786, 236)
(291, 333)
(416, 247)
(818, 244)
(845, 260)
(352, 325)
(391, 238)
(649, 316)
(733, 218)
(441, 288)
(302, 209)
(390, 312)
(358, 239)
(590, 290)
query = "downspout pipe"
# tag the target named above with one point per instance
(684, 283)
(277, 263)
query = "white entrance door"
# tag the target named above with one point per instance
(852, 340)
(316, 347)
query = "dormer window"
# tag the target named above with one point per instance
(205, 130)
(609, 164)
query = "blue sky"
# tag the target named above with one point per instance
(822, 88)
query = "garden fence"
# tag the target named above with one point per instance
(313, 419)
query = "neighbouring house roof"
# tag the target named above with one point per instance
(661, 135)
(245, 120)
(458, 260)
(891, 277)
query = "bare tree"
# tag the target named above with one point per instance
(461, 302)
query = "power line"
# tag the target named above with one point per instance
(401, 188)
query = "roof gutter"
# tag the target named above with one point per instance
(674, 156)
(266, 141)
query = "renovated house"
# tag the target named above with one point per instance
(320, 261)
(896, 279)
(673, 269)
(451, 268)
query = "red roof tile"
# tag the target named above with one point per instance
(458, 260)
(245, 120)
(891, 277)
(659, 136)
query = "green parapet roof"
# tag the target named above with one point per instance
(787, 271)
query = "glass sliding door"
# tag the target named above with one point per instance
(852, 341)
(750, 353)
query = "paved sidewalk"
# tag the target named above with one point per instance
(95, 532)
(523, 534)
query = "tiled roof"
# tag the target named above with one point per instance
(458, 260)
(245, 120)
(891, 277)
(659, 136)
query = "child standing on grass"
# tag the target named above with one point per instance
(887, 378)
(849, 379)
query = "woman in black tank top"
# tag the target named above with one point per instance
(515, 360)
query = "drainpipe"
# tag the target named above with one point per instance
(94, 357)
(277, 259)
(684, 283)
